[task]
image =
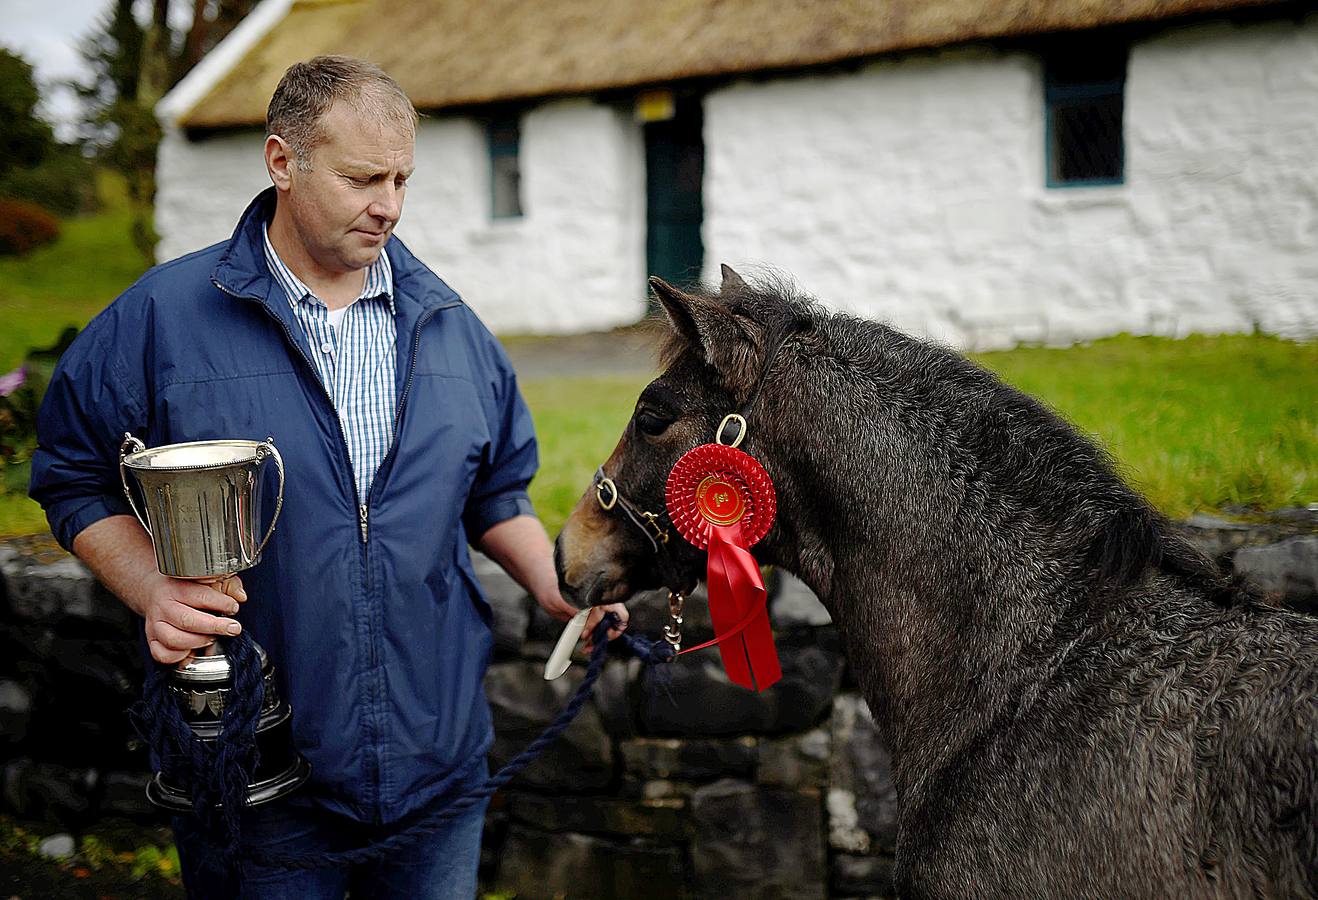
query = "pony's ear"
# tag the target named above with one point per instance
(708, 325)
(677, 305)
(731, 280)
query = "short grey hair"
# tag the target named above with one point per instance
(308, 90)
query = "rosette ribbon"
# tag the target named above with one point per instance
(721, 500)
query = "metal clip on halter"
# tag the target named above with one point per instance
(608, 495)
(652, 522)
(673, 630)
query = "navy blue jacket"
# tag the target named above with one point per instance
(380, 641)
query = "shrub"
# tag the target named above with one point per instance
(24, 226)
(20, 397)
(64, 182)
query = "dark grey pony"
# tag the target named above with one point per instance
(1077, 703)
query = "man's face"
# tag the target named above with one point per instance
(345, 208)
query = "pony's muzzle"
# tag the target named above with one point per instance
(585, 557)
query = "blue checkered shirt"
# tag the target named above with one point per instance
(356, 361)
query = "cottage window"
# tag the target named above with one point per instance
(505, 138)
(1084, 88)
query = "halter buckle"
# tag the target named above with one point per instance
(600, 486)
(652, 522)
(741, 430)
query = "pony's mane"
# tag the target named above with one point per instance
(1124, 539)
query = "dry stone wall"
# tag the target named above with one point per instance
(672, 782)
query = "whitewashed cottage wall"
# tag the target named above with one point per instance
(911, 190)
(574, 262)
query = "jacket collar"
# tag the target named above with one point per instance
(243, 271)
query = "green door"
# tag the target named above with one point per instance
(674, 171)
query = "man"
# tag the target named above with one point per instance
(405, 438)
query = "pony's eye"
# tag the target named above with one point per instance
(651, 423)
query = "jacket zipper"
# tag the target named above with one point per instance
(402, 401)
(363, 511)
(343, 438)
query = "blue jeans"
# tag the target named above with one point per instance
(440, 865)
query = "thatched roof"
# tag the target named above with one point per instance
(449, 53)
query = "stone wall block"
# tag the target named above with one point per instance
(862, 876)
(537, 865)
(124, 794)
(690, 759)
(757, 842)
(660, 818)
(523, 704)
(795, 606)
(1288, 568)
(862, 800)
(612, 697)
(1218, 538)
(15, 712)
(699, 700)
(45, 585)
(49, 793)
(798, 761)
(80, 692)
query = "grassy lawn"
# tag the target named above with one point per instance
(1202, 423)
(1197, 424)
(65, 283)
(69, 281)
(578, 421)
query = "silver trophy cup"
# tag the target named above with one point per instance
(202, 502)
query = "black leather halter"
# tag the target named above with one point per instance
(606, 492)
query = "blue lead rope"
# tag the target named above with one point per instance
(648, 651)
(216, 774)
(219, 776)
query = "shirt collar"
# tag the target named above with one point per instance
(379, 281)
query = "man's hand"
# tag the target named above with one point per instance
(521, 546)
(180, 615)
(597, 613)
(177, 620)
(554, 604)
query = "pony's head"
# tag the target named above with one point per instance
(901, 468)
(619, 538)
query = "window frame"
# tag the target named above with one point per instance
(499, 147)
(1062, 94)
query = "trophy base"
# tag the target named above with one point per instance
(163, 794)
(202, 688)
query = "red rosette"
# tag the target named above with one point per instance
(713, 485)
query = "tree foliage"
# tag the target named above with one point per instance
(25, 138)
(34, 166)
(134, 63)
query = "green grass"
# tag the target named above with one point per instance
(65, 283)
(1203, 423)
(69, 281)
(578, 422)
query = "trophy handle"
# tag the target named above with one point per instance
(131, 444)
(268, 446)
